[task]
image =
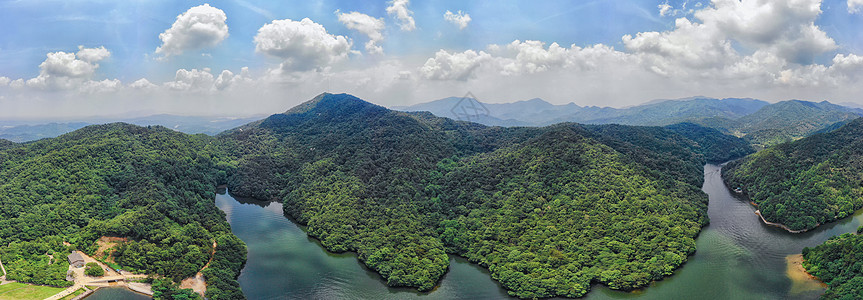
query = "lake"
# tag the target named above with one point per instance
(738, 257)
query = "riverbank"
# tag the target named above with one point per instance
(801, 281)
(780, 225)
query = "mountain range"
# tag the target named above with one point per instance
(760, 122)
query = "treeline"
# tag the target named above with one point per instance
(839, 263)
(151, 185)
(548, 210)
(805, 183)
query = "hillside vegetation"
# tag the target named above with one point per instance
(807, 182)
(151, 185)
(548, 210)
(839, 263)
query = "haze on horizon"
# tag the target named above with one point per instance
(102, 58)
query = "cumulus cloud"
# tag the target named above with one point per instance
(4, 81)
(199, 27)
(304, 45)
(142, 84)
(453, 66)
(460, 19)
(93, 55)
(227, 79)
(191, 80)
(854, 6)
(365, 24)
(66, 70)
(399, 10)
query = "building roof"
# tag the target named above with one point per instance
(75, 256)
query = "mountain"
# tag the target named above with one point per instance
(668, 112)
(151, 186)
(520, 113)
(549, 210)
(805, 183)
(24, 133)
(186, 124)
(655, 113)
(789, 120)
(193, 124)
(762, 124)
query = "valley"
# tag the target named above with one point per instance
(553, 211)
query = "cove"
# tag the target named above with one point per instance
(738, 257)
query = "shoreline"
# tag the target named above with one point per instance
(780, 225)
(801, 280)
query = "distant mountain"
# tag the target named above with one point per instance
(668, 112)
(185, 124)
(538, 112)
(193, 124)
(24, 133)
(521, 113)
(762, 123)
(789, 120)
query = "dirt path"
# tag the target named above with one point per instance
(3, 278)
(197, 283)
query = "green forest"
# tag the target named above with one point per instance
(805, 183)
(548, 210)
(839, 263)
(153, 186)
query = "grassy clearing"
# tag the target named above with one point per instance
(73, 294)
(20, 291)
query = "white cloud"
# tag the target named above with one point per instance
(199, 27)
(93, 55)
(304, 45)
(103, 86)
(191, 80)
(399, 10)
(365, 24)
(855, 6)
(227, 79)
(4, 81)
(461, 19)
(664, 9)
(17, 83)
(64, 70)
(142, 84)
(453, 66)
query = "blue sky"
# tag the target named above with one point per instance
(437, 57)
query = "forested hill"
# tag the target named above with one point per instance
(153, 186)
(788, 120)
(6, 144)
(548, 210)
(839, 263)
(807, 182)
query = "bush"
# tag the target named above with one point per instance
(93, 269)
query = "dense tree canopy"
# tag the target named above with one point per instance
(153, 186)
(548, 210)
(807, 182)
(839, 263)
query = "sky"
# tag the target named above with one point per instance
(74, 59)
